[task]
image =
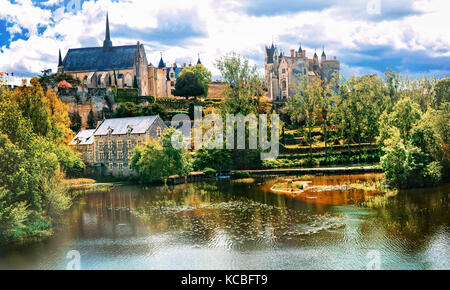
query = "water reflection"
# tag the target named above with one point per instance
(236, 225)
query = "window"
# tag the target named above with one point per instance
(172, 75)
(100, 143)
(158, 132)
(129, 143)
(110, 155)
(110, 165)
(119, 143)
(120, 165)
(139, 142)
(172, 83)
(120, 155)
(109, 143)
(101, 155)
(283, 70)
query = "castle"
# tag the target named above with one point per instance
(124, 66)
(282, 72)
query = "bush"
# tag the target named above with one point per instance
(241, 174)
(433, 173)
(126, 95)
(209, 171)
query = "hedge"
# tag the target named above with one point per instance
(123, 95)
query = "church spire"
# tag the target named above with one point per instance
(198, 61)
(60, 62)
(300, 48)
(107, 42)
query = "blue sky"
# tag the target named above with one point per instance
(367, 36)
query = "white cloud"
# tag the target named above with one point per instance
(226, 28)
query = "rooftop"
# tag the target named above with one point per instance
(84, 137)
(99, 59)
(122, 126)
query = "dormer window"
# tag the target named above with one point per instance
(129, 129)
(110, 130)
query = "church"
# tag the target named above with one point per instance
(284, 71)
(125, 66)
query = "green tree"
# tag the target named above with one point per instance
(403, 116)
(157, 160)
(302, 104)
(442, 93)
(32, 194)
(130, 109)
(51, 80)
(188, 85)
(242, 95)
(245, 85)
(202, 74)
(217, 159)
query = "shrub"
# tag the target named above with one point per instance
(433, 173)
(241, 174)
(209, 171)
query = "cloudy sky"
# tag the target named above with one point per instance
(367, 35)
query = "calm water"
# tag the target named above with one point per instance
(241, 225)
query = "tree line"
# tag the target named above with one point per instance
(34, 158)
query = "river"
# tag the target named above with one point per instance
(242, 225)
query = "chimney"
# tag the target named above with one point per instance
(292, 53)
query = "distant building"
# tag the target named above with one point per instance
(109, 147)
(83, 143)
(125, 66)
(282, 71)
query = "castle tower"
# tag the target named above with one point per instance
(107, 43)
(161, 62)
(324, 56)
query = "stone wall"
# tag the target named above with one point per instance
(88, 105)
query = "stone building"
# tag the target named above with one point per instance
(282, 72)
(83, 143)
(126, 66)
(109, 147)
(99, 67)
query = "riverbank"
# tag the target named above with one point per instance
(87, 185)
(323, 170)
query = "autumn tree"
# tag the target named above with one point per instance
(33, 154)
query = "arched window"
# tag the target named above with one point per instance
(158, 132)
(283, 85)
(94, 81)
(128, 81)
